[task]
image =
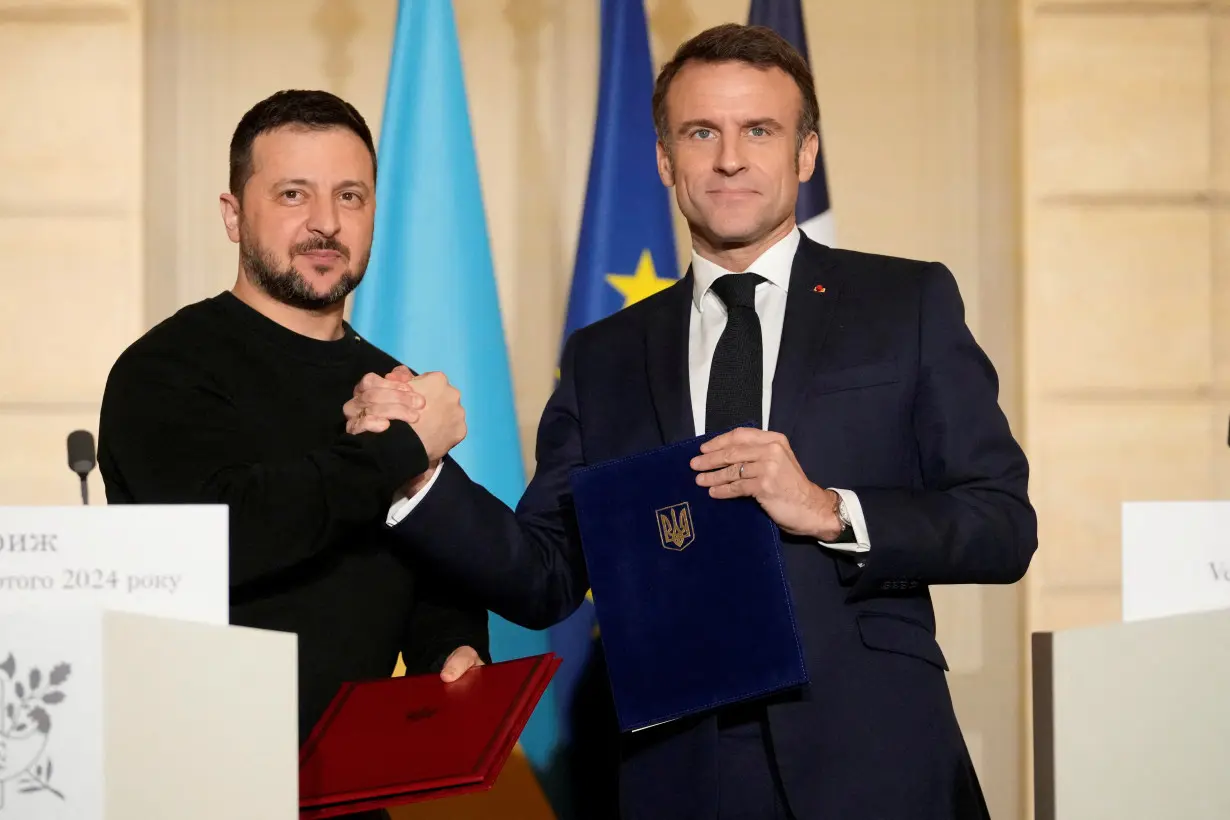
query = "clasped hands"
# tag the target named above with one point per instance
(428, 403)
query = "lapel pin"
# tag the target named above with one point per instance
(818, 289)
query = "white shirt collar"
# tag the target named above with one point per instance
(774, 265)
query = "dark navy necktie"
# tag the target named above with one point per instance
(736, 384)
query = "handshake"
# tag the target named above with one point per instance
(428, 403)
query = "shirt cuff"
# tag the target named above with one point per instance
(862, 542)
(403, 506)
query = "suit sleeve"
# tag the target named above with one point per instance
(443, 619)
(971, 521)
(167, 436)
(526, 565)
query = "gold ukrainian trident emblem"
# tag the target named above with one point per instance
(675, 526)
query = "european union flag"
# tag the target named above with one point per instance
(626, 252)
(430, 296)
(814, 209)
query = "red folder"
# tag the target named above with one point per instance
(402, 740)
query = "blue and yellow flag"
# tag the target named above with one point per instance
(429, 298)
(626, 252)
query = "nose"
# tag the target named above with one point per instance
(323, 217)
(729, 160)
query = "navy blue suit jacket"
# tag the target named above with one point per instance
(880, 388)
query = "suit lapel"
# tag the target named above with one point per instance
(809, 313)
(666, 343)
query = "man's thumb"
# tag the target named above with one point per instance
(453, 669)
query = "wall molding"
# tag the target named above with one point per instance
(1218, 200)
(43, 408)
(1138, 395)
(117, 210)
(43, 13)
(1127, 9)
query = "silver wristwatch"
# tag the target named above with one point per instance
(843, 515)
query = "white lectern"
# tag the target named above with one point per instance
(1132, 719)
(1132, 722)
(124, 694)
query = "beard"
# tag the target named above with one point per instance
(288, 285)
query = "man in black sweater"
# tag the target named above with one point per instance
(237, 400)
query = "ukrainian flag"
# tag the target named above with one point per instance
(429, 299)
(626, 252)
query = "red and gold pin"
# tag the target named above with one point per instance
(818, 289)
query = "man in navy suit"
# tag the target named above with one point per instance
(881, 453)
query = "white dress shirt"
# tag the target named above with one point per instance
(708, 320)
(402, 506)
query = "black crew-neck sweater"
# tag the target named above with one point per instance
(219, 404)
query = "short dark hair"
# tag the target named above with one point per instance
(758, 46)
(317, 110)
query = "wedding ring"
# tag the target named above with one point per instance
(741, 466)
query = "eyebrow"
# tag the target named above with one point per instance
(347, 183)
(754, 123)
(690, 124)
(769, 121)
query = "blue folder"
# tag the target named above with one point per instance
(693, 606)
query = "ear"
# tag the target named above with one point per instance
(666, 170)
(807, 156)
(230, 215)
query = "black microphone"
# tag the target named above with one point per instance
(81, 458)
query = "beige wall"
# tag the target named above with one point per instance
(109, 199)
(1127, 279)
(71, 225)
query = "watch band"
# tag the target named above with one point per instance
(843, 515)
